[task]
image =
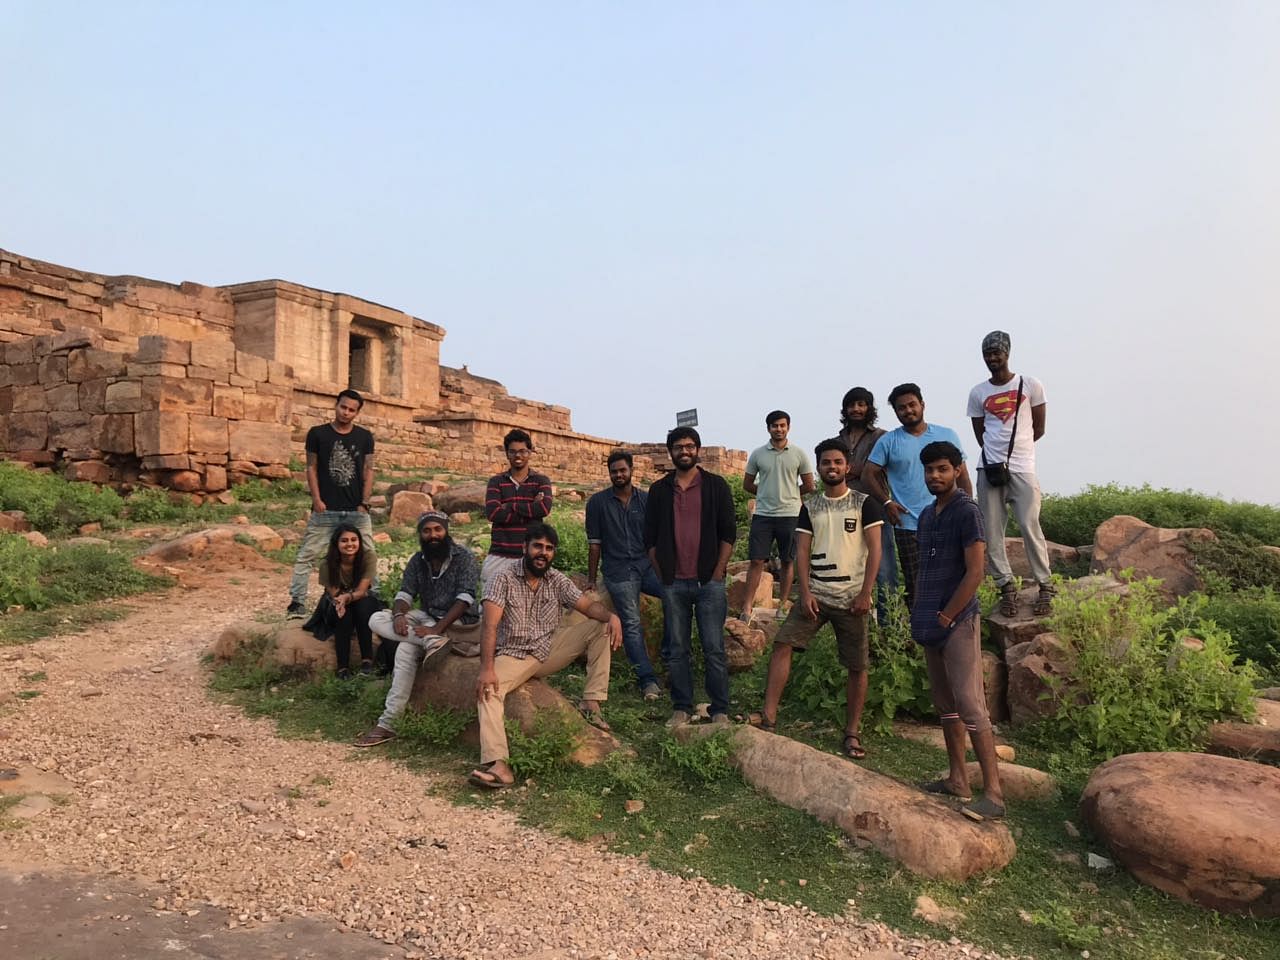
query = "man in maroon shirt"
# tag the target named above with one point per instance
(689, 530)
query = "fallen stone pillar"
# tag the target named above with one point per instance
(924, 834)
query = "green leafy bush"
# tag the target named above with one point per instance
(1235, 562)
(260, 491)
(1073, 519)
(547, 749)
(703, 760)
(438, 727)
(896, 680)
(38, 578)
(1252, 617)
(571, 555)
(152, 505)
(55, 505)
(1135, 684)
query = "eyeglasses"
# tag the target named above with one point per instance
(685, 448)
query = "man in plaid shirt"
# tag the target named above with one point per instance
(523, 637)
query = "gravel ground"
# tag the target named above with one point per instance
(173, 789)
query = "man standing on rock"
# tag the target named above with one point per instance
(1008, 419)
(838, 553)
(946, 622)
(894, 474)
(512, 501)
(777, 475)
(523, 638)
(615, 533)
(442, 577)
(340, 481)
(689, 530)
(858, 430)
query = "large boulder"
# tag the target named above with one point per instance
(462, 498)
(1199, 827)
(192, 545)
(407, 506)
(737, 591)
(1040, 674)
(742, 644)
(923, 833)
(1127, 543)
(1016, 550)
(1259, 740)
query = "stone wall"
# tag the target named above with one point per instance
(128, 380)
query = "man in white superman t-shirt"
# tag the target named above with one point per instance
(999, 416)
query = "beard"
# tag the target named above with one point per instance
(437, 549)
(533, 569)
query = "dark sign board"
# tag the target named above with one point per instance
(687, 418)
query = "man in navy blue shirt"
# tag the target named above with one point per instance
(946, 621)
(615, 533)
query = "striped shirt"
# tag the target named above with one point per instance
(511, 507)
(838, 544)
(530, 617)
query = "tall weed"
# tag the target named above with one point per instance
(55, 505)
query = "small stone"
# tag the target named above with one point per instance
(633, 806)
(347, 860)
(1072, 830)
(90, 692)
(1099, 863)
(253, 806)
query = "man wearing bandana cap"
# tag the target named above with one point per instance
(442, 575)
(999, 416)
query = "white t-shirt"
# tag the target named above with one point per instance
(995, 405)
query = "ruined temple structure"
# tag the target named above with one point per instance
(125, 380)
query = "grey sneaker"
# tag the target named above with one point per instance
(719, 718)
(651, 692)
(678, 718)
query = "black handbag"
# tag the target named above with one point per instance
(997, 474)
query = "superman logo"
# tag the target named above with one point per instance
(1002, 405)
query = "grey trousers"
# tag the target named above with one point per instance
(410, 654)
(1023, 492)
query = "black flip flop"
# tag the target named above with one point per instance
(939, 788)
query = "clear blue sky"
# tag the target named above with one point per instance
(634, 208)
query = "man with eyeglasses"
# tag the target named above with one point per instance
(689, 530)
(512, 502)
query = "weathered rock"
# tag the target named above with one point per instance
(1123, 543)
(995, 680)
(1017, 782)
(1016, 550)
(462, 498)
(460, 517)
(14, 521)
(737, 591)
(1039, 677)
(1270, 693)
(193, 544)
(92, 471)
(742, 644)
(35, 538)
(1199, 827)
(408, 505)
(922, 833)
(1023, 626)
(928, 910)
(1259, 740)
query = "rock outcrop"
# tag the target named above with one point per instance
(1124, 543)
(1199, 827)
(1259, 740)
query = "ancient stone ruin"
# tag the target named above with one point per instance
(127, 380)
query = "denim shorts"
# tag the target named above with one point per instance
(766, 531)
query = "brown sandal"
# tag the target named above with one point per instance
(852, 747)
(1009, 599)
(1044, 602)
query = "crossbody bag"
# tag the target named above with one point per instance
(997, 474)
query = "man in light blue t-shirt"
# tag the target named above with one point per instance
(893, 473)
(778, 475)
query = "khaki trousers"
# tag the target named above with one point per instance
(575, 635)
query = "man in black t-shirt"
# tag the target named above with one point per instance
(340, 480)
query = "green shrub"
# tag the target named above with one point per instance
(152, 505)
(38, 578)
(437, 727)
(1134, 685)
(1235, 562)
(260, 491)
(896, 680)
(571, 554)
(1073, 519)
(250, 667)
(55, 505)
(547, 749)
(703, 760)
(1252, 617)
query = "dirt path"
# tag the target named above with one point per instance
(187, 803)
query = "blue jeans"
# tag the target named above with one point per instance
(315, 544)
(887, 577)
(626, 601)
(684, 600)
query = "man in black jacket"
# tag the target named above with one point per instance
(689, 531)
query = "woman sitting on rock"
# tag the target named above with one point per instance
(349, 601)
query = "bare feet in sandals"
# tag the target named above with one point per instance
(852, 747)
(495, 775)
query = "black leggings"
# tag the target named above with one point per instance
(357, 621)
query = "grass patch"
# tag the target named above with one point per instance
(26, 626)
(37, 578)
(701, 819)
(54, 505)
